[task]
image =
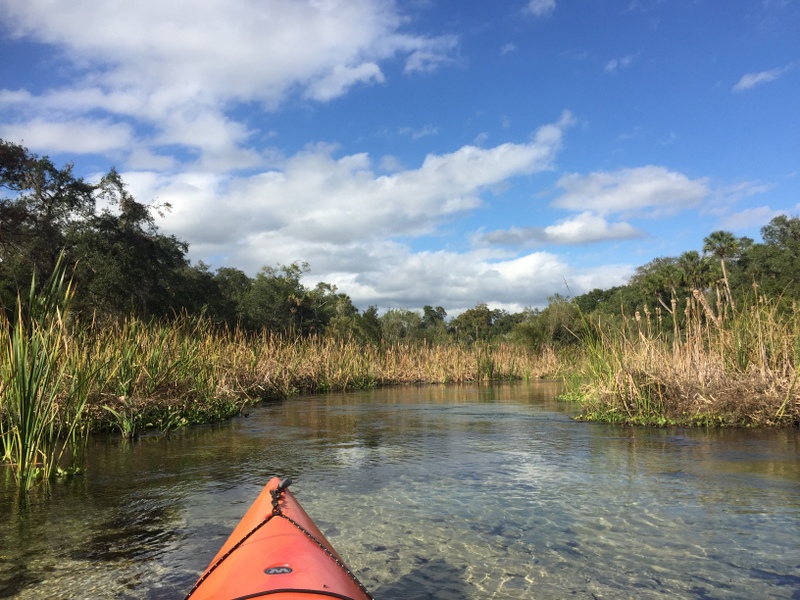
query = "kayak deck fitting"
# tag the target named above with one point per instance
(276, 550)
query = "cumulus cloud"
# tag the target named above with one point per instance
(243, 49)
(340, 200)
(585, 228)
(751, 80)
(540, 8)
(461, 280)
(588, 228)
(84, 136)
(341, 78)
(346, 217)
(649, 191)
(179, 66)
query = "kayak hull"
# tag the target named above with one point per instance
(277, 552)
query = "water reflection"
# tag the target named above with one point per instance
(460, 492)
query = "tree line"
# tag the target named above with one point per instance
(124, 265)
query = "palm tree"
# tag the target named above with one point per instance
(694, 270)
(722, 244)
(671, 276)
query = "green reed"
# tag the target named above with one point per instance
(135, 375)
(44, 385)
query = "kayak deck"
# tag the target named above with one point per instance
(277, 551)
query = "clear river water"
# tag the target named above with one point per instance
(435, 492)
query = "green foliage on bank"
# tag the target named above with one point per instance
(161, 332)
(123, 266)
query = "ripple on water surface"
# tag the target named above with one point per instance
(463, 492)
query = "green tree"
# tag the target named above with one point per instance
(124, 264)
(554, 326)
(233, 286)
(658, 281)
(431, 317)
(775, 264)
(695, 273)
(474, 324)
(39, 202)
(369, 326)
(197, 292)
(400, 324)
(434, 327)
(609, 302)
(278, 301)
(504, 322)
(723, 245)
(330, 307)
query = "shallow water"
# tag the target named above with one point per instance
(462, 492)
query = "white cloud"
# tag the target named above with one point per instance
(618, 63)
(12, 97)
(749, 218)
(179, 66)
(540, 8)
(427, 55)
(480, 139)
(751, 80)
(461, 280)
(724, 197)
(341, 78)
(345, 219)
(736, 192)
(419, 133)
(588, 228)
(326, 199)
(82, 136)
(508, 48)
(585, 228)
(390, 164)
(649, 191)
(243, 49)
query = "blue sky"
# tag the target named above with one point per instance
(422, 152)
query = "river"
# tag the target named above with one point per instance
(434, 492)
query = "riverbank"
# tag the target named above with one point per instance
(723, 368)
(136, 375)
(62, 380)
(168, 375)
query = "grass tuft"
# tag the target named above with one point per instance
(736, 370)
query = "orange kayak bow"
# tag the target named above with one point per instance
(277, 551)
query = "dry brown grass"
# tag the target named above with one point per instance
(159, 375)
(326, 364)
(739, 369)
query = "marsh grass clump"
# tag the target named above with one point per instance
(131, 375)
(738, 369)
(45, 381)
